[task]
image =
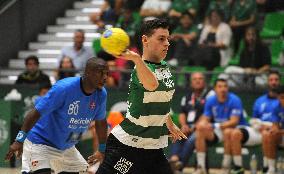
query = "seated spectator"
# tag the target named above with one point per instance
(184, 40)
(255, 60)
(226, 112)
(129, 22)
(78, 52)
(192, 106)
(222, 6)
(134, 5)
(108, 14)
(214, 42)
(263, 130)
(43, 89)
(243, 15)
(280, 113)
(66, 69)
(180, 6)
(32, 75)
(155, 8)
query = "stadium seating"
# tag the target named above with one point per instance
(275, 49)
(273, 25)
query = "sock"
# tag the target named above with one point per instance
(201, 159)
(227, 161)
(271, 165)
(265, 162)
(238, 160)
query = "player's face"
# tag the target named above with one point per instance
(197, 81)
(98, 77)
(273, 81)
(221, 89)
(158, 43)
(281, 99)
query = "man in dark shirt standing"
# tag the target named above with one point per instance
(33, 75)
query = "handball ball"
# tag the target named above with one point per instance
(115, 41)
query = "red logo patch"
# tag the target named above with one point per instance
(92, 105)
(34, 163)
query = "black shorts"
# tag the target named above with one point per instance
(123, 159)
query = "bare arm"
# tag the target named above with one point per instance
(144, 74)
(248, 21)
(30, 120)
(101, 129)
(234, 120)
(182, 119)
(264, 68)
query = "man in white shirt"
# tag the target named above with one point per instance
(78, 52)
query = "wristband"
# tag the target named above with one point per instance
(216, 126)
(21, 136)
(102, 147)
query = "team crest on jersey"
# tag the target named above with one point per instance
(92, 105)
(123, 165)
(165, 75)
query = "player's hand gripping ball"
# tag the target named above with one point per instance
(115, 41)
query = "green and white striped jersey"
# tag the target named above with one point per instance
(145, 123)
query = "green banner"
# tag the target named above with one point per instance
(5, 117)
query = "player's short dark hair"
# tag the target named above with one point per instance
(32, 57)
(149, 26)
(274, 71)
(280, 89)
(219, 80)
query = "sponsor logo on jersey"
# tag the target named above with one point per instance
(83, 121)
(123, 165)
(73, 108)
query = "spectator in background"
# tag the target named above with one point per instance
(43, 89)
(184, 40)
(214, 42)
(192, 106)
(263, 123)
(243, 15)
(222, 6)
(225, 111)
(108, 14)
(155, 8)
(129, 22)
(255, 60)
(134, 5)
(66, 68)
(180, 6)
(255, 57)
(32, 75)
(78, 52)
